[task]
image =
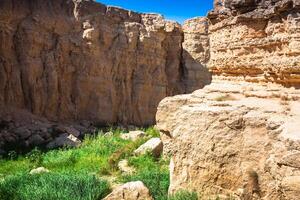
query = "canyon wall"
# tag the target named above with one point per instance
(256, 41)
(238, 138)
(73, 60)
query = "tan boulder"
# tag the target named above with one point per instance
(130, 191)
(133, 135)
(154, 146)
(227, 143)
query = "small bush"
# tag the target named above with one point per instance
(52, 186)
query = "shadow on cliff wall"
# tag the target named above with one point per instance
(195, 73)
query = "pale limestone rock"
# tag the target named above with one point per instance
(133, 135)
(130, 191)
(227, 143)
(154, 146)
(39, 170)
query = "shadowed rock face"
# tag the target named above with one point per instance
(71, 60)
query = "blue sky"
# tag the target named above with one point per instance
(178, 10)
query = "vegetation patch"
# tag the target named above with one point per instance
(49, 186)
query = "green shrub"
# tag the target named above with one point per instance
(184, 195)
(51, 186)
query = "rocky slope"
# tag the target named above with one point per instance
(73, 60)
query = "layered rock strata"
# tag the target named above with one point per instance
(256, 41)
(235, 139)
(239, 137)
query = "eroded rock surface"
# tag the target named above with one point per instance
(80, 60)
(130, 191)
(256, 41)
(234, 138)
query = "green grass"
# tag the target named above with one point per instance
(50, 186)
(153, 173)
(76, 173)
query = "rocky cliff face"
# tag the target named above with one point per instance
(239, 136)
(72, 60)
(196, 53)
(236, 140)
(256, 41)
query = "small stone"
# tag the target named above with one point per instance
(154, 146)
(39, 170)
(107, 134)
(133, 135)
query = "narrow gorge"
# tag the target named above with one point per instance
(222, 90)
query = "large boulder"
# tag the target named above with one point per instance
(130, 191)
(234, 138)
(153, 146)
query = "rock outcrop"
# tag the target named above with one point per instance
(256, 41)
(196, 53)
(239, 136)
(72, 60)
(234, 138)
(130, 191)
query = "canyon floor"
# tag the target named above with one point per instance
(89, 171)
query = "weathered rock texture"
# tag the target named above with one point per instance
(234, 138)
(22, 131)
(80, 60)
(256, 40)
(196, 53)
(130, 191)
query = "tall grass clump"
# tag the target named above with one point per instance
(50, 186)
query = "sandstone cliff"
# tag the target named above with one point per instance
(236, 140)
(239, 136)
(73, 60)
(256, 41)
